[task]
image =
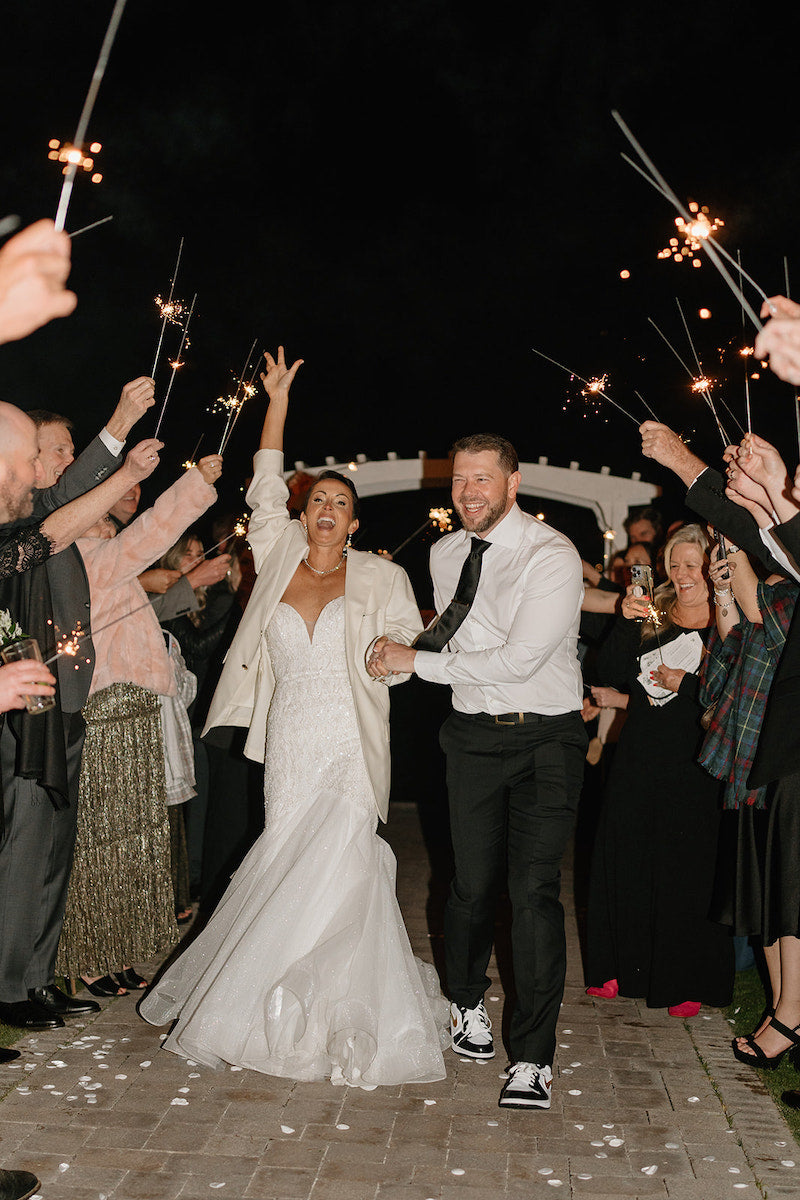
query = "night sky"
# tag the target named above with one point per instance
(410, 196)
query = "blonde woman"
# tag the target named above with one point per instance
(648, 932)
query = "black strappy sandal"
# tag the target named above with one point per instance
(758, 1058)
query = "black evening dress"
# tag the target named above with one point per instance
(653, 861)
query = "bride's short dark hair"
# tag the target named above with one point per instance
(351, 487)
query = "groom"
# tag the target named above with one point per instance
(508, 590)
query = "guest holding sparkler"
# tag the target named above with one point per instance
(648, 932)
(171, 592)
(752, 619)
(123, 829)
(40, 753)
(779, 340)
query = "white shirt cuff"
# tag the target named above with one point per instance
(111, 444)
(431, 666)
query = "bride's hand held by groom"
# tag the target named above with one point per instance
(390, 658)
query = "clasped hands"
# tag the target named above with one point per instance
(390, 658)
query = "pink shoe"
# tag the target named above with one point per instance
(689, 1008)
(608, 991)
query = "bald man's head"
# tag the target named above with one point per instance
(19, 463)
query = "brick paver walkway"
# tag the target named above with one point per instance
(644, 1105)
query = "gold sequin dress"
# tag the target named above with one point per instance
(120, 905)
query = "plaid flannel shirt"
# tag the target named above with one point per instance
(737, 673)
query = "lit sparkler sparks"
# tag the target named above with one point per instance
(177, 363)
(594, 387)
(169, 309)
(693, 232)
(88, 105)
(233, 405)
(709, 246)
(438, 517)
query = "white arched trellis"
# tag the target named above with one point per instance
(608, 496)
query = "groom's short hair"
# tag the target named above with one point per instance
(475, 443)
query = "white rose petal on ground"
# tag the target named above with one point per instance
(457, 1171)
(429, 1101)
(787, 1162)
(493, 1123)
(651, 1170)
(179, 1100)
(693, 1099)
(286, 1129)
(120, 1076)
(545, 1170)
(63, 1167)
(575, 1092)
(147, 1063)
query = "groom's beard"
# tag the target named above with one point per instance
(479, 522)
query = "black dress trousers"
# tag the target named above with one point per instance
(513, 793)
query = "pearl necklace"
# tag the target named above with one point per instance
(330, 569)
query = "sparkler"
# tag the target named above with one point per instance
(657, 180)
(594, 386)
(69, 647)
(440, 517)
(167, 309)
(700, 383)
(234, 404)
(88, 106)
(176, 364)
(94, 224)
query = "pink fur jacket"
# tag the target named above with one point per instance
(133, 650)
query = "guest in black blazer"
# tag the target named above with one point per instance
(40, 755)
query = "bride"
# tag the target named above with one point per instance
(305, 969)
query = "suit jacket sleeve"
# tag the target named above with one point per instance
(788, 534)
(175, 601)
(89, 468)
(707, 498)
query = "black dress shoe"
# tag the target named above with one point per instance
(18, 1185)
(27, 1014)
(60, 1005)
(7, 1055)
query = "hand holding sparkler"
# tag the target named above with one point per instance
(760, 462)
(158, 580)
(136, 397)
(34, 265)
(745, 492)
(210, 468)
(142, 460)
(662, 444)
(779, 340)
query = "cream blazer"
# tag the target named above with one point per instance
(378, 600)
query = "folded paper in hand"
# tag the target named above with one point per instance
(683, 653)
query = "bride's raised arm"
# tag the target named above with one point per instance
(277, 380)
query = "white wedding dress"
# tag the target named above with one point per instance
(305, 969)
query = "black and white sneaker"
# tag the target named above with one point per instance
(528, 1086)
(471, 1031)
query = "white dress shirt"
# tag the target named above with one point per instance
(517, 649)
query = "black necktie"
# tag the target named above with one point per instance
(438, 635)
